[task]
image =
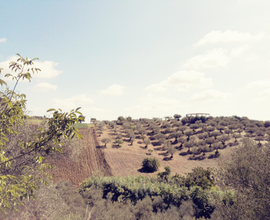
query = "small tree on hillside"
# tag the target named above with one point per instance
(155, 130)
(129, 118)
(175, 135)
(177, 117)
(188, 133)
(121, 118)
(182, 129)
(201, 143)
(119, 142)
(188, 145)
(220, 128)
(126, 125)
(235, 136)
(209, 129)
(166, 145)
(228, 132)
(142, 137)
(132, 139)
(223, 138)
(146, 141)
(203, 136)
(105, 141)
(118, 136)
(210, 141)
(215, 134)
(171, 150)
(181, 140)
(141, 131)
(160, 136)
(194, 126)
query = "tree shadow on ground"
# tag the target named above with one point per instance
(185, 153)
(101, 147)
(116, 146)
(167, 158)
(163, 153)
(141, 170)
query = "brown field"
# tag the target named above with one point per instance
(127, 160)
(91, 161)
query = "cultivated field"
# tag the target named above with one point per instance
(90, 161)
(194, 144)
(127, 160)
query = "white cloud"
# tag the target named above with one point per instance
(113, 90)
(258, 84)
(151, 106)
(73, 102)
(3, 40)
(45, 87)
(238, 51)
(212, 59)
(156, 88)
(188, 79)
(252, 57)
(210, 95)
(182, 81)
(47, 68)
(226, 36)
(263, 96)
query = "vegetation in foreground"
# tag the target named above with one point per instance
(237, 190)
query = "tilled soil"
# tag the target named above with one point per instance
(91, 161)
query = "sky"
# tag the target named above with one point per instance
(140, 58)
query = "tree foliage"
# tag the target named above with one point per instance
(14, 187)
(248, 173)
(150, 164)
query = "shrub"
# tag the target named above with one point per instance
(150, 164)
(248, 173)
(267, 124)
(200, 177)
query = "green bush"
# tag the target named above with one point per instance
(163, 194)
(200, 177)
(150, 164)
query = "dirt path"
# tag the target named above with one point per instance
(91, 161)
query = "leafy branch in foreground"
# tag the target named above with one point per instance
(29, 153)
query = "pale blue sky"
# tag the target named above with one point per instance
(142, 58)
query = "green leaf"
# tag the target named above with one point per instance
(51, 109)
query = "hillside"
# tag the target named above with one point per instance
(196, 143)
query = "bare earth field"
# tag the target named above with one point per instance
(90, 161)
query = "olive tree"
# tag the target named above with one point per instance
(171, 150)
(146, 141)
(105, 141)
(177, 116)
